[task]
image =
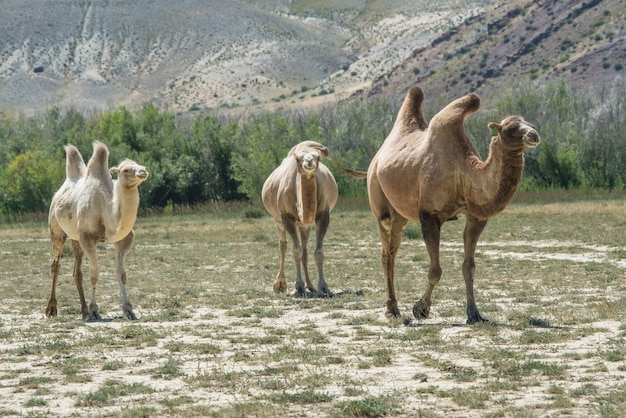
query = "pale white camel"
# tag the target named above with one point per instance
(431, 174)
(299, 193)
(91, 207)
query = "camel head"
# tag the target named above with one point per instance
(515, 133)
(130, 174)
(307, 155)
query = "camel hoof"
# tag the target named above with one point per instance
(476, 320)
(326, 293)
(421, 310)
(280, 286)
(130, 315)
(51, 311)
(300, 292)
(392, 313)
(92, 316)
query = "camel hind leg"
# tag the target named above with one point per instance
(121, 251)
(58, 240)
(390, 227)
(322, 222)
(431, 231)
(89, 247)
(78, 277)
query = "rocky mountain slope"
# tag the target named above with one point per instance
(195, 54)
(522, 43)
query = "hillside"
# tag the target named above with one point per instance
(522, 42)
(194, 54)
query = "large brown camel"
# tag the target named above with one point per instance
(431, 174)
(91, 207)
(301, 192)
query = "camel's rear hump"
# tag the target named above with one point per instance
(99, 162)
(454, 114)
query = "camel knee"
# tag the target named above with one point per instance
(297, 254)
(434, 275)
(387, 258)
(304, 254)
(319, 256)
(469, 266)
(55, 267)
(122, 276)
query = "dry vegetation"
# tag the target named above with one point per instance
(213, 339)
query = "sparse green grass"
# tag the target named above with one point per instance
(213, 339)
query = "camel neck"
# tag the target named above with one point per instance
(125, 203)
(497, 181)
(307, 199)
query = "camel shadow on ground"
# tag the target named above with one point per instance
(314, 295)
(105, 320)
(410, 322)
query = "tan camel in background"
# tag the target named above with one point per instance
(301, 192)
(91, 207)
(431, 174)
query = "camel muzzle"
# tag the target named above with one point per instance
(531, 139)
(309, 164)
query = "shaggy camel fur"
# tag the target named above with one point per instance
(431, 174)
(299, 193)
(91, 207)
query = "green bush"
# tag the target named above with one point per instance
(27, 183)
(200, 157)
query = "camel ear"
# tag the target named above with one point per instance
(495, 128)
(323, 151)
(114, 170)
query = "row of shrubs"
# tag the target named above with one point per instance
(195, 159)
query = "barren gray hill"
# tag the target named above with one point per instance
(193, 54)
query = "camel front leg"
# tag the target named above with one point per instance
(304, 238)
(55, 267)
(89, 247)
(390, 230)
(290, 226)
(431, 231)
(280, 284)
(122, 248)
(78, 277)
(321, 226)
(473, 229)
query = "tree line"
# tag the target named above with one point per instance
(195, 158)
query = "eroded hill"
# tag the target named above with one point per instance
(194, 54)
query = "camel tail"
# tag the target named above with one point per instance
(99, 162)
(410, 115)
(356, 174)
(75, 167)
